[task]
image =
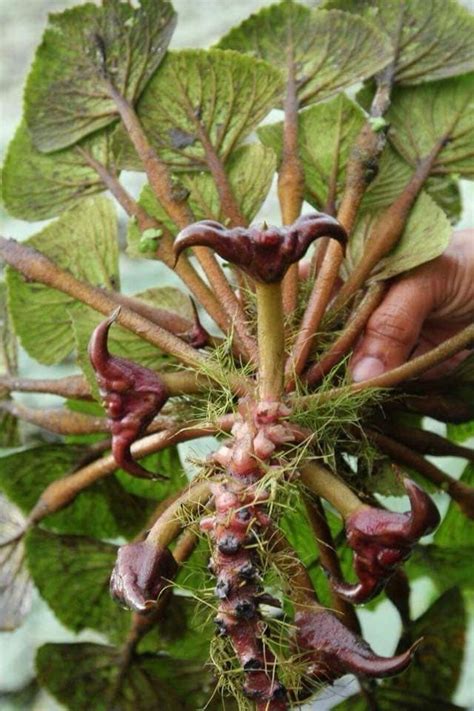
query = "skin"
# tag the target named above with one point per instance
(420, 310)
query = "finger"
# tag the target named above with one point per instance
(393, 330)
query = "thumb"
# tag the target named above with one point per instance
(393, 330)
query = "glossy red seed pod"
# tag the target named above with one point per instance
(332, 650)
(141, 572)
(382, 540)
(132, 395)
(264, 253)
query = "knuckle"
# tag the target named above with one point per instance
(395, 325)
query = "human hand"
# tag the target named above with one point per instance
(420, 310)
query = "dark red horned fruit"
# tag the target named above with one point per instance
(331, 650)
(265, 253)
(382, 540)
(141, 572)
(132, 395)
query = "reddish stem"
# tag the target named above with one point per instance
(425, 442)
(329, 560)
(462, 340)
(165, 245)
(58, 420)
(290, 180)
(349, 335)
(74, 387)
(388, 228)
(62, 492)
(460, 492)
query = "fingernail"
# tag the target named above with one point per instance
(366, 368)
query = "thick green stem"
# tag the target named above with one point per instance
(170, 523)
(323, 483)
(300, 588)
(271, 340)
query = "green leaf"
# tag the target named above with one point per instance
(330, 51)
(184, 631)
(77, 673)
(9, 436)
(194, 577)
(198, 96)
(425, 237)
(300, 535)
(66, 94)
(437, 666)
(20, 699)
(464, 372)
(461, 432)
(445, 191)
(392, 177)
(83, 241)
(431, 40)
(167, 462)
(326, 134)
(37, 186)
(15, 582)
(250, 169)
(457, 530)
(425, 117)
(104, 510)
(433, 675)
(72, 574)
(397, 699)
(8, 344)
(446, 566)
(122, 341)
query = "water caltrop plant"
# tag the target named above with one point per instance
(241, 584)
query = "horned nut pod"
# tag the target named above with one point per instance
(332, 650)
(265, 253)
(141, 572)
(132, 394)
(382, 540)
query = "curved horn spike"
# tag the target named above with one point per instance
(197, 335)
(311, 227)
(98, 351)
(361, 660)
(123, 457)
(356, 593)
(424, 516)
(205, 233)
